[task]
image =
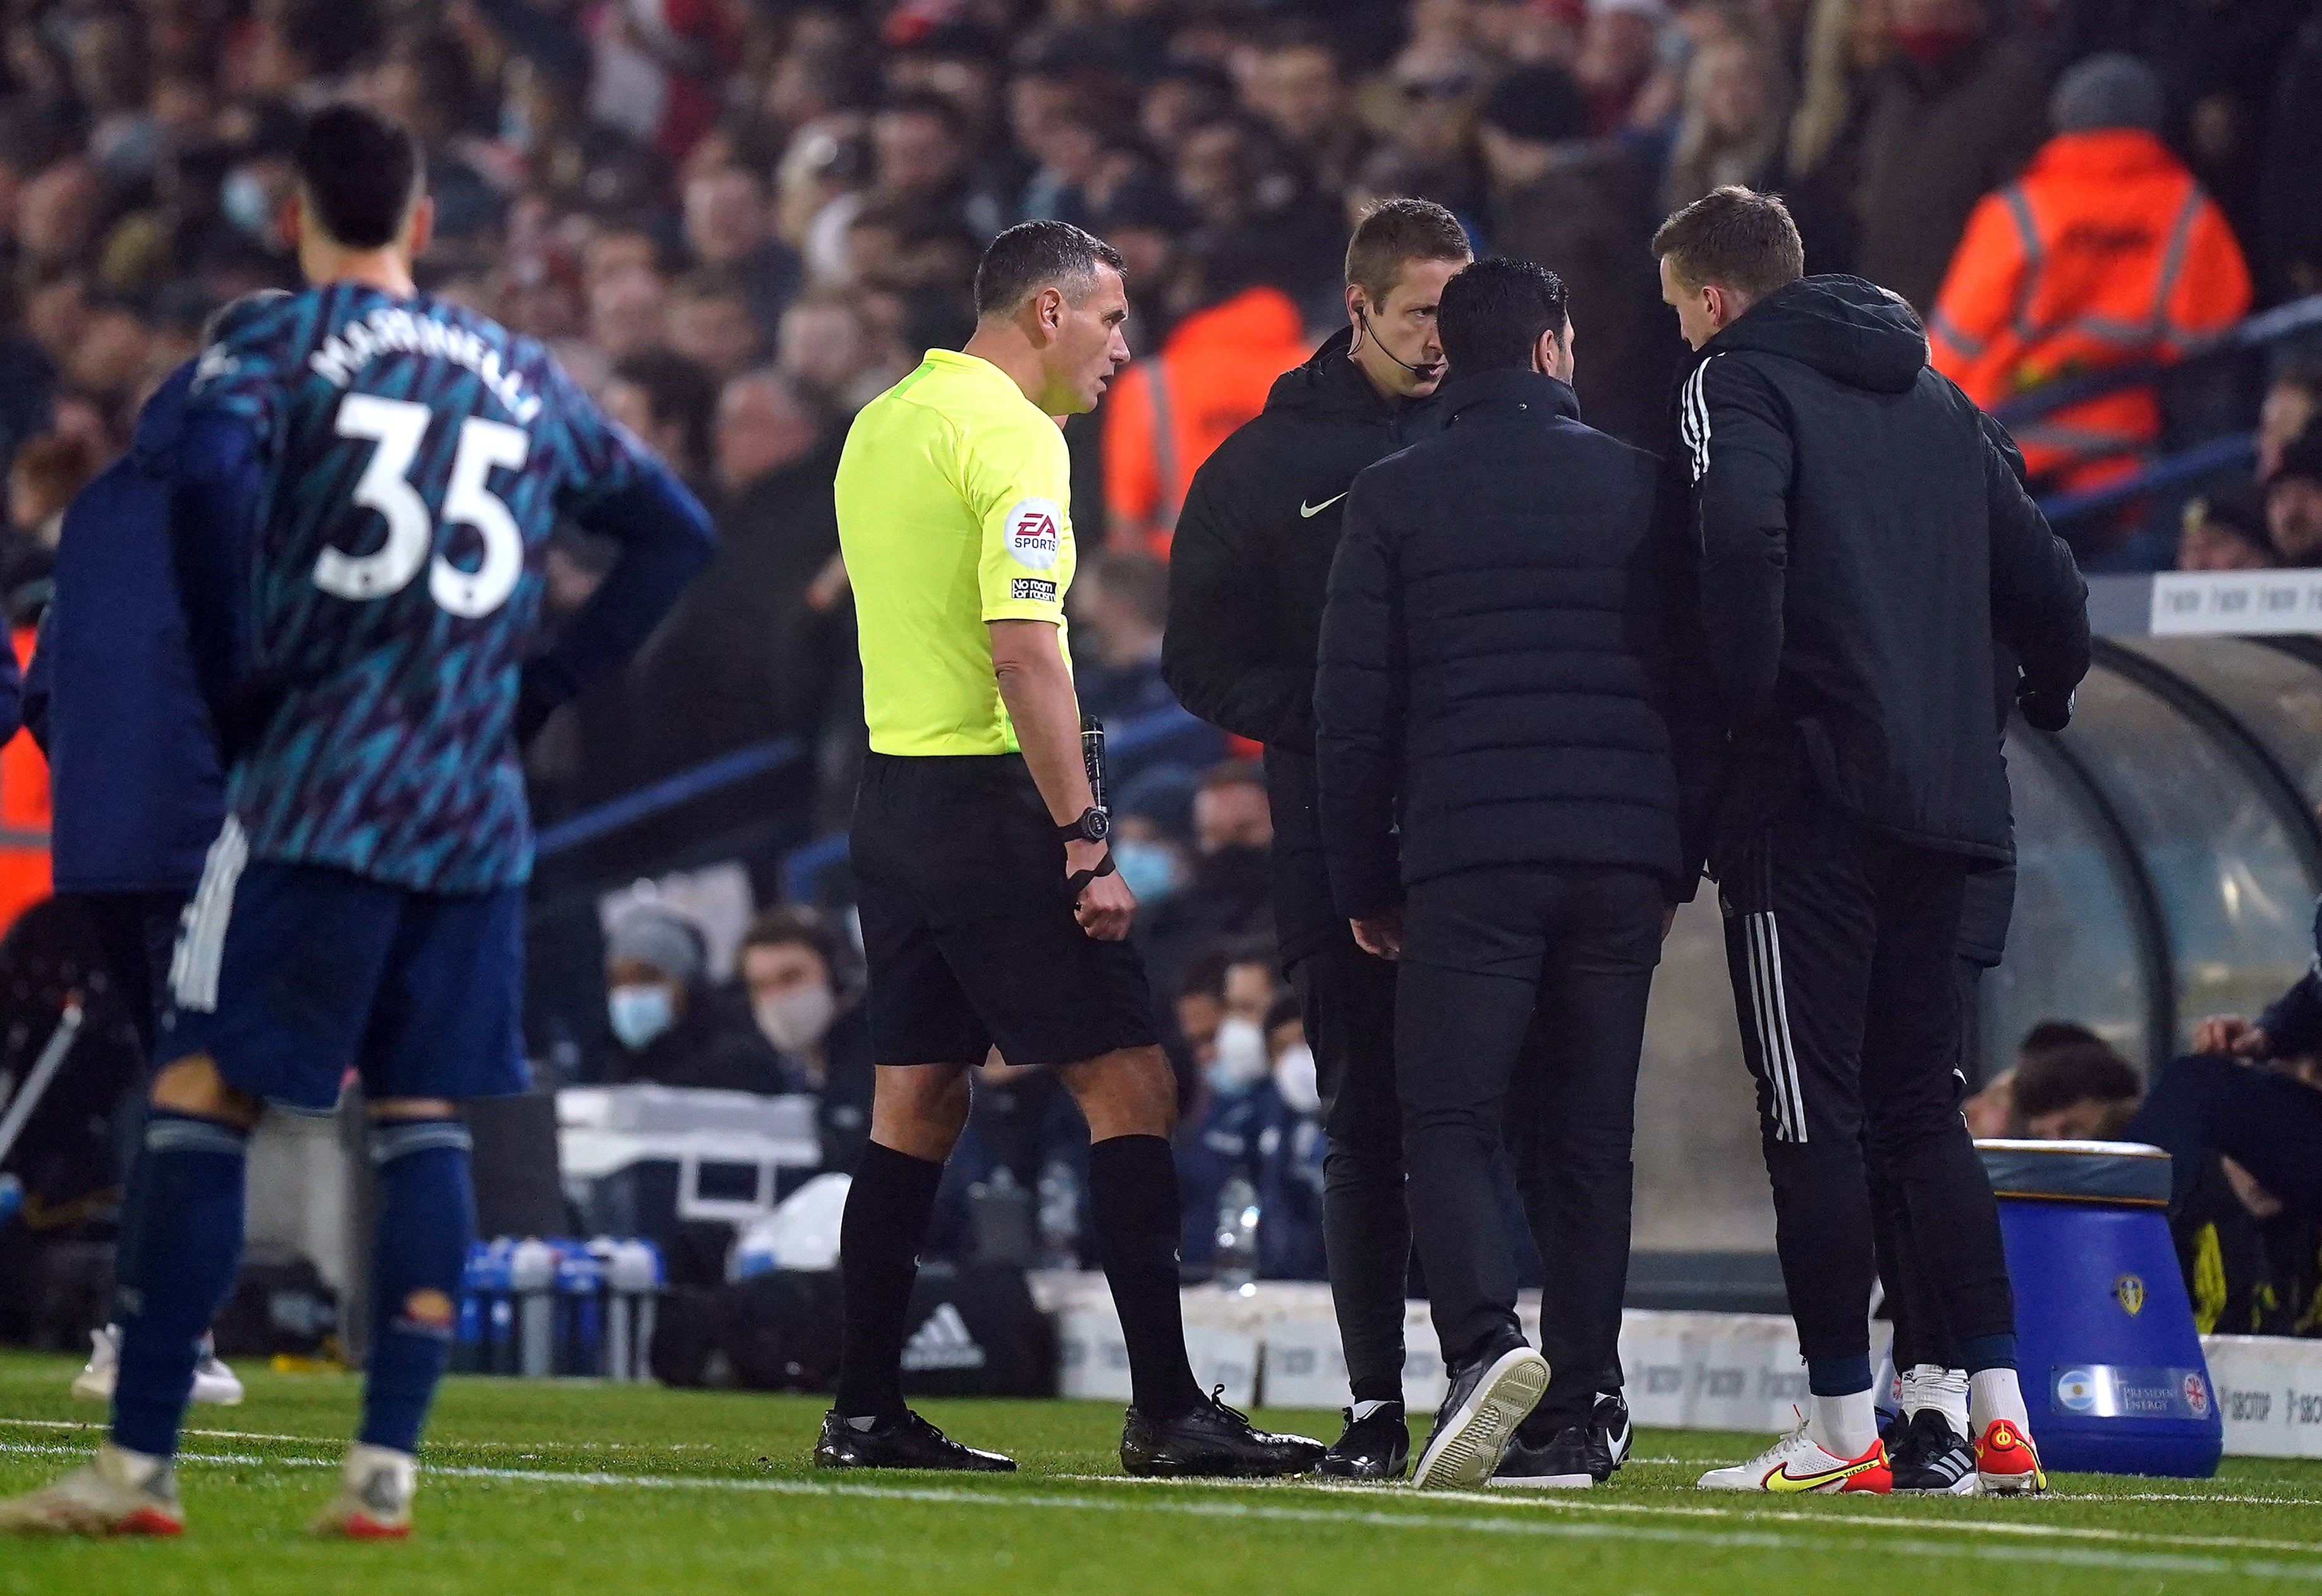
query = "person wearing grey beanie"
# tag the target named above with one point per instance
(2108, 90)
(674, 1027)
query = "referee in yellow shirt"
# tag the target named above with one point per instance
(992, 914)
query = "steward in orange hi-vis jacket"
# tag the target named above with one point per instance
(2104, 254)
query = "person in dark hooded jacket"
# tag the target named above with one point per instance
(1248, 573)
(111, 697)
(1865, 544)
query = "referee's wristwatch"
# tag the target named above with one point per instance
(1093, 826)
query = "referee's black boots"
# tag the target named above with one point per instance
(1211, 1441)
(910, 1442)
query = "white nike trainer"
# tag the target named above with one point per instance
(1796, 1464)
(212, 1380)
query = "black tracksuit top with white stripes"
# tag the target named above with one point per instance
(1863, 544)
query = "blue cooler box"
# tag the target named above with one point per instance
(2111, 1361)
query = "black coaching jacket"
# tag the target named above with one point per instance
(1864, 544)
(1247, 573)
(1508, 674)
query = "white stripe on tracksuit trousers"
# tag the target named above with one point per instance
(1768, 1018)
(201, 939)
(1770, 1014)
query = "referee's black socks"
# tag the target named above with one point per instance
(1133, 1201)
(888, 1208)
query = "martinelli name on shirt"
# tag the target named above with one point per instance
(391, 330)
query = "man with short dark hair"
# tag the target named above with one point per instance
(993, 913)
(1865, 545)
(1502, 809)
(365, 481)
(1246, 578)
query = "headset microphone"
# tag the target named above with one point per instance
(1363, 315)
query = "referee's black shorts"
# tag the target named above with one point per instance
(960, 881)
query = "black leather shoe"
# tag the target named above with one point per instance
(1610, 1437)
(1562, 1463)
(1489, 1396)
(1213, 1442)
(1376, 1446)
(910, 1442)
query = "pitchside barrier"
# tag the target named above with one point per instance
(1276, 1343)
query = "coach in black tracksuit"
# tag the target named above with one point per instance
(1247, 569)
(1863, 545)
(1501, 801)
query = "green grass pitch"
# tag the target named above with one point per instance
(531, 1490)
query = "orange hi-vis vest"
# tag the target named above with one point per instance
(1170, 411)
(2104, 254)
(24, 811)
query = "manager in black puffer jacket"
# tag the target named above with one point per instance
(1499, 674)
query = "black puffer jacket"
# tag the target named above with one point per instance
(1500, 654)
(1247, 573)
(1864, 544)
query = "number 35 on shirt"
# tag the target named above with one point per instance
(395, 428)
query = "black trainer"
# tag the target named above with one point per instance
(1562, 1462)
(1929, 1457)
(910, 1442)
(1488, 1396)
(1372, 1447)
(1211, 1441)
(1610, 1436)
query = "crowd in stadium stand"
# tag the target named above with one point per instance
(736, 221)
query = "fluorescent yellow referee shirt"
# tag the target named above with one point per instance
(953, 510)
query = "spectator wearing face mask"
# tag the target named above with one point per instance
(1152, 831)
(807, 1001)
(1236, 1102)
(672, 1027)
(1290, 1147)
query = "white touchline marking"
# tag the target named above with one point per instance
(1513, 1524)
(224, 1459)
(1584, 1503)
(517, 1446)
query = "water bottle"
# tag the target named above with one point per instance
(1060, 1215)
(633, 1271)
(579, 1316)
(532, 1279)
(1000, 1217)
(1237, 1235)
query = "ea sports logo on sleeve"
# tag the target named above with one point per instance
(1035, 533)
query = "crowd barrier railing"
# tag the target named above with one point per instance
(670, 792)
(2254, 332)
